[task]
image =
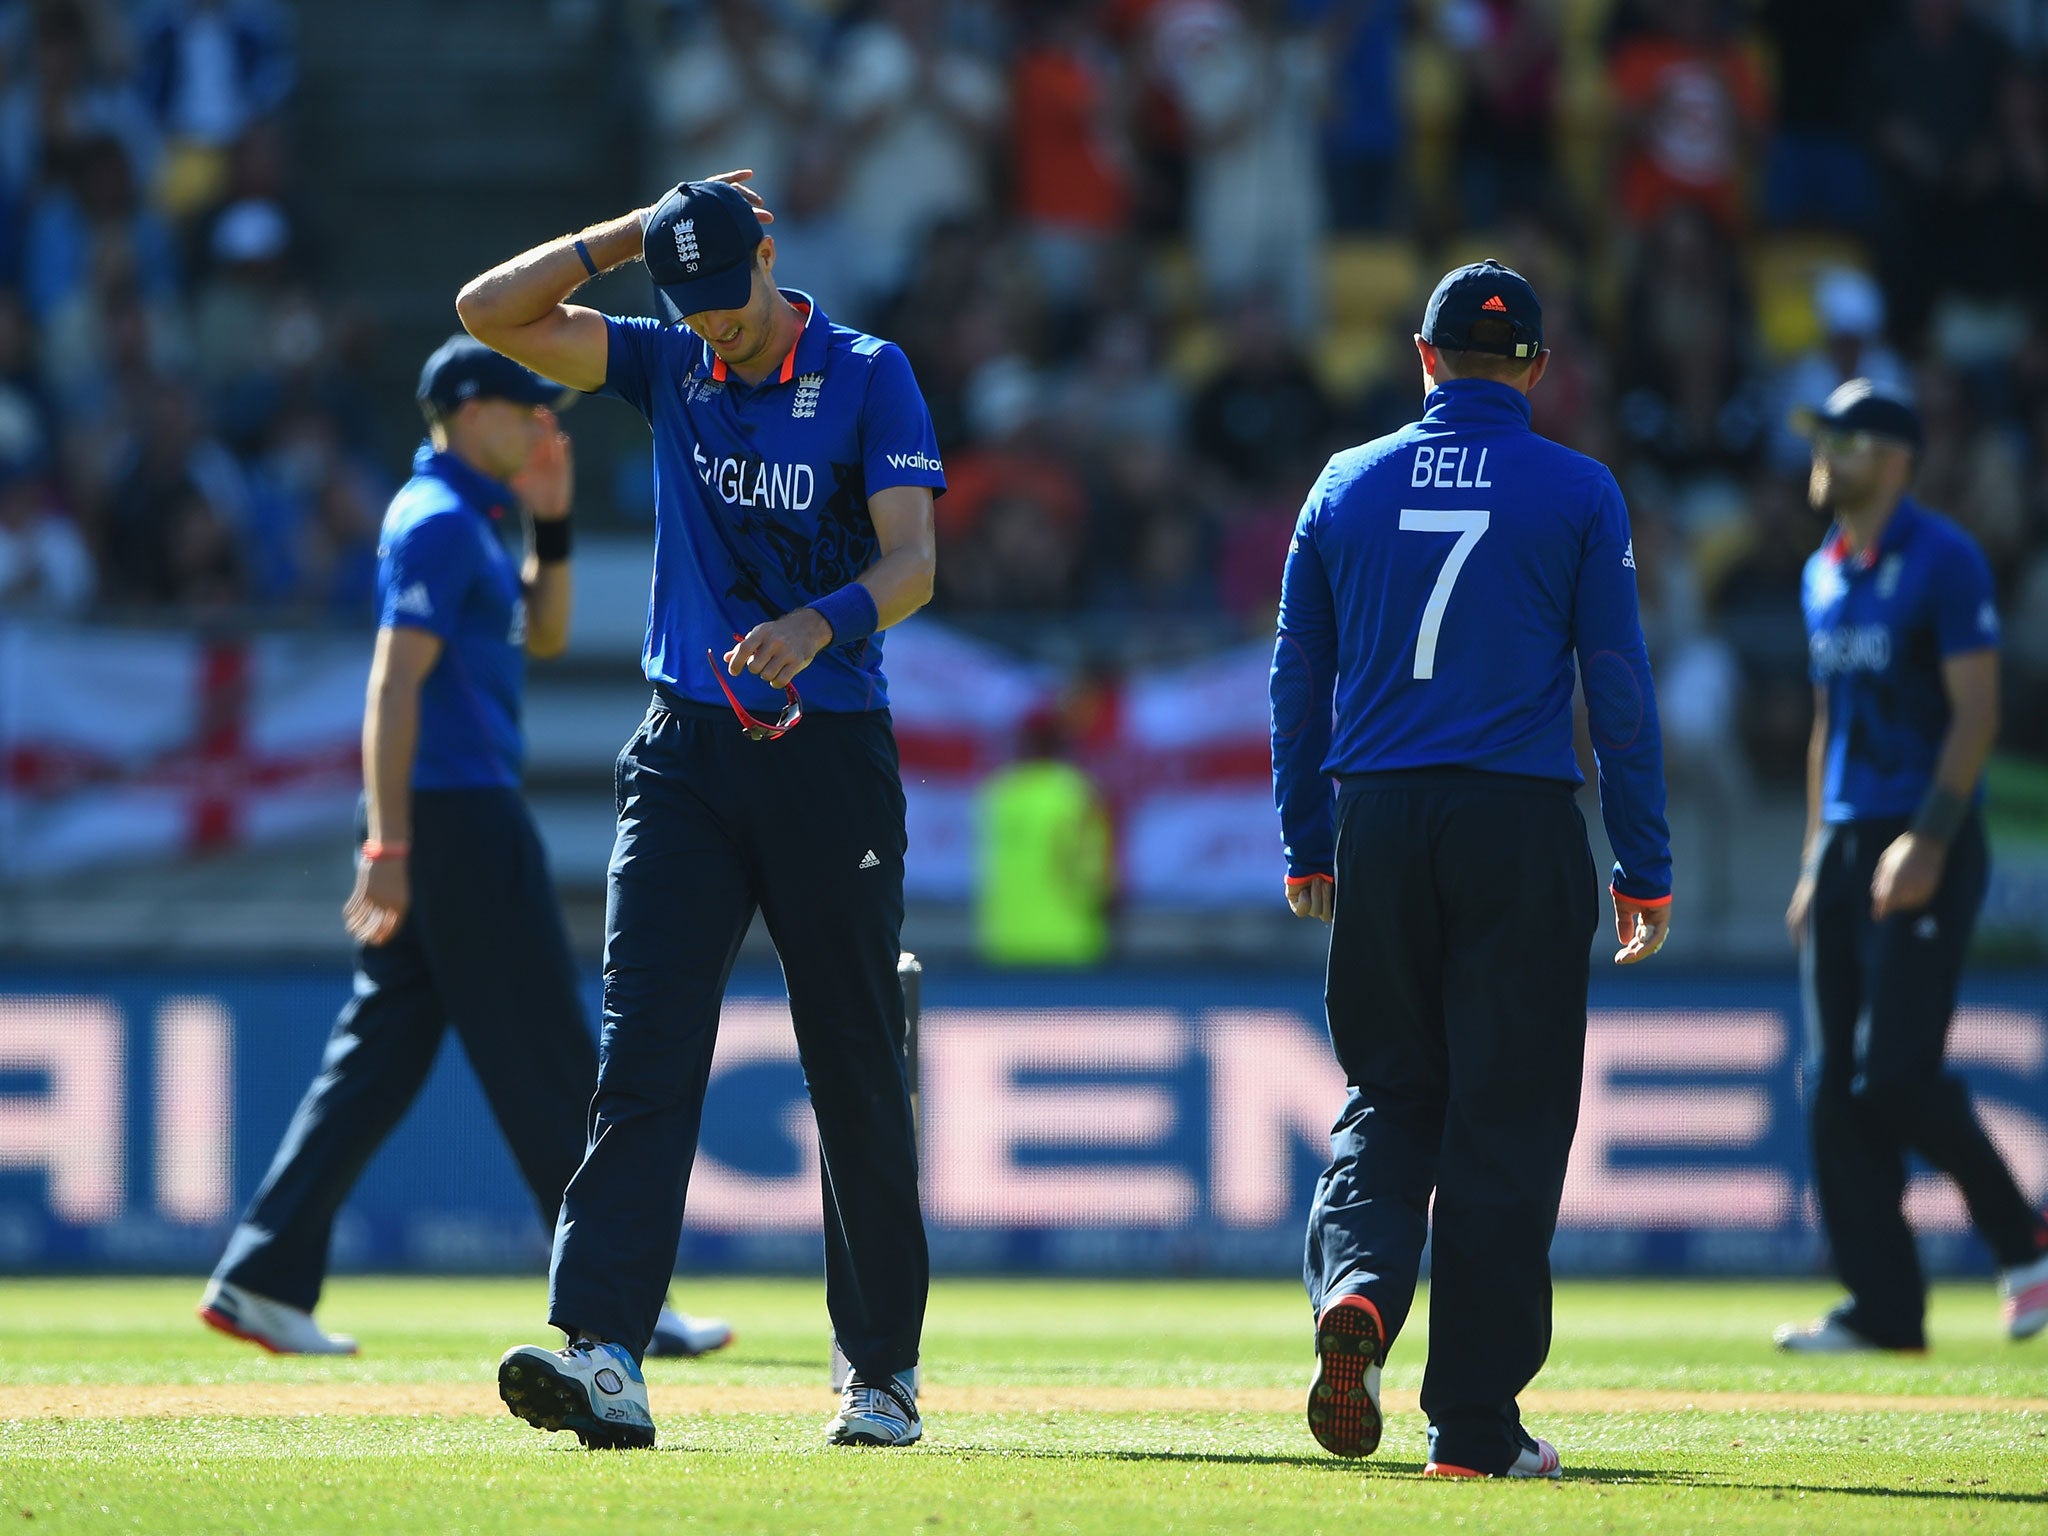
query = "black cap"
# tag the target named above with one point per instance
(699, 249)
(1485, 307)
(1862, 405)
(463, 368)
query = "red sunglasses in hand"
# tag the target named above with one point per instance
(760, 730)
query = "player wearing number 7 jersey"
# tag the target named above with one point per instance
(1441, 584)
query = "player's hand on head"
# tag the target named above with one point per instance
(1639, 928)
(1312, 896)
(378, 904)
(546, 483)
(776, 651)
(739, 180)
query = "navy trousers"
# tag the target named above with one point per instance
(1465, 908)
(807, 829)
(482, 948)
(1878, 1001)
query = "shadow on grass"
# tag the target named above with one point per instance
(1679, 1477)
(1666, 1477)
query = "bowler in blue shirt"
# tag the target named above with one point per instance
(795, 466)
(1902, 645)
(1447, 590)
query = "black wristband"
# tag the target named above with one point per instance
(551, 540)
(583, 251)
(1940, 815)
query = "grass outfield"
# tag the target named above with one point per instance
(1051, 1406)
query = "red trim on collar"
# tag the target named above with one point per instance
(788, 363)
(1836, 550)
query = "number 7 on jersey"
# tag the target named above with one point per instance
(1470, 527)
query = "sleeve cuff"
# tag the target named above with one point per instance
(1639, 901)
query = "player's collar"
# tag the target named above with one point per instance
(1467, 397)
(806, 356)
(1897, 528)
(475, 488)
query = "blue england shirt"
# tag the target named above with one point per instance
(1878, 627)
(761, 494)
(442, 567)
(1441, 584)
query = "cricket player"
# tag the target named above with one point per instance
(453, 908)
(1440, 584)
(795, 466)
(1902, 643)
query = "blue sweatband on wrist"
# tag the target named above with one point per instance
(583, 251)
(851, 612)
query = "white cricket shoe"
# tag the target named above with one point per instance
(1539, 1460)
(2023, 1290)
(883, 1414)
(1831, 1336)
(681, 1336)
(283, 1330)
(594, 1390)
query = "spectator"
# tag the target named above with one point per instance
(1070, 164)
(1820, 170)
(1692, 108)
(1688, 399)
(1362, 128)
(90, 221)
(45, 567)
(1013, 522)
(315, 510)
(1250, 95)
(175, 516)
(1043, 844)
(1508, 53)
(1934, 77)
(71, 91)
(209, 70)
(1850, 308)
(251, 325)
(1264, 418)
(1971, 469)
(734, 92)
(917, 119)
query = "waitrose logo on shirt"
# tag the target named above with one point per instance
(752, 482)
(919, 460)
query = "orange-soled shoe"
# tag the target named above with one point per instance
(1344, 1398)
(1538, 1462)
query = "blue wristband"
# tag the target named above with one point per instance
(851, 612)
(583, 253)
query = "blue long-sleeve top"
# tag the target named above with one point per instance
(1441, 584)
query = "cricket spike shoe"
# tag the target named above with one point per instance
(1537, 1460)
(1832, 1336)
(283, 1330)
(593, 1390)
(1344, 1397)
(877, 1413)
(2023, 1290)
(679, 1336)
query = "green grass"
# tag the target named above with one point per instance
(1763, 1469)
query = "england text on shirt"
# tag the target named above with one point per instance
(1878, 627)
(761, 493)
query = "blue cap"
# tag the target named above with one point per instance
(699, 249)
(463, 368)
(1485, 307)
(1862, 405)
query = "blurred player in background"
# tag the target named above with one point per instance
(1902, 639)
(1440, 583)
(453, 906)
(795, 465)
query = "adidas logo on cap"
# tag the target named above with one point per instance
(1496, 304)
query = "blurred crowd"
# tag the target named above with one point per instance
(178, 421)
(1153, 259)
